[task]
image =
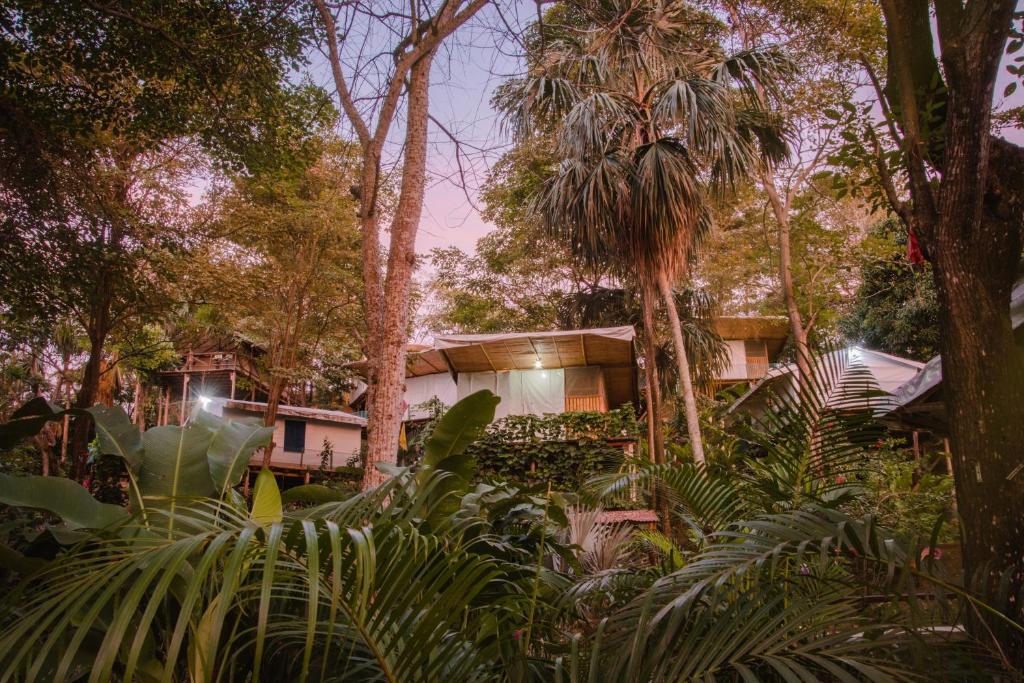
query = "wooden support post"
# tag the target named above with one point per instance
(915, 479)
(140, 405)
(232, 394)
(184, 398)
(305, 478)
(64, 440)
(167, 405)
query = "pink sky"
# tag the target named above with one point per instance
(475, 60)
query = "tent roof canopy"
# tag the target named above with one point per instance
(606, 347)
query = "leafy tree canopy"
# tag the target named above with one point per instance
(895, 308)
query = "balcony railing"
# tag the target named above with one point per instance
(198, 362)
(305, 459)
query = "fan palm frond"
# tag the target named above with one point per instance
(814, 437)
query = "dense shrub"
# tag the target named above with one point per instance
(561, 449)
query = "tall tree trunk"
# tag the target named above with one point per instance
(970, 224)
(983, 378)
(651, 374)
(685, 379)
(387, 302)
(657, 436)
(140, 403)
(86, 397)
(384, 404)
(274, 392)
(797, 331)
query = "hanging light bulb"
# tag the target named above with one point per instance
(537, 364)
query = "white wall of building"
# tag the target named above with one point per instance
(345, 440)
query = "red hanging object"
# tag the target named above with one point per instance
(914, 253)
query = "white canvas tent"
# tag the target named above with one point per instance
(532, 372)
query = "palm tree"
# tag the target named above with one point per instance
(650, 118)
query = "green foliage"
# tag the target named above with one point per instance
(292, 236)
(563, 450)
(445, 450)
(65, 498)
(263, 579)
(913, 497)
(204, 458)
(739, 261)
(367, 589)
(145, 73)
(895, 308)
(108, 112)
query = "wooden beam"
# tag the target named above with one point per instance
(534, 347)
(184, 396)
(488, 357)
(451, 368)
(511, 356)
(558, 354)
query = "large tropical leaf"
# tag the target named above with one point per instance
(445, 451)
(65, 498)
(117, 435)
(174, 462)
(230, 450)
(772, 595)
(266, 499)
(298, 599)
(27, 421)
(813, 439)
(463, 424)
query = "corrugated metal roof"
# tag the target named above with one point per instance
(300, 411)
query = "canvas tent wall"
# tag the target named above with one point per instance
(423, 388)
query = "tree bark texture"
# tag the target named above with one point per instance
(797, 331)
(85, 398)
(970, 223)
(385, 407)
(648, 297)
